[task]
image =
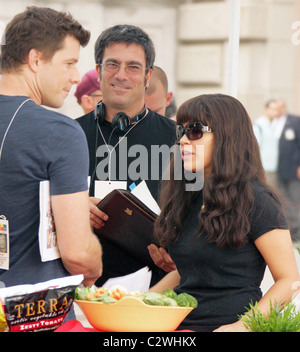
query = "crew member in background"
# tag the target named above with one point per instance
(268, 141)
(124, 56)
(289, 166)
(88, 92)
(157, 96)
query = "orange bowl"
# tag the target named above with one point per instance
(130, 314)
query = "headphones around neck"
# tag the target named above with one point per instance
(120, 121)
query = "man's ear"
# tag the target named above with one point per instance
(34, 59)
(147, 78)
(99, 72)
(169, 98)
(86, 102)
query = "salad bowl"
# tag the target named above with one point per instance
(130, 314)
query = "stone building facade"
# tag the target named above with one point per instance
(191, 40)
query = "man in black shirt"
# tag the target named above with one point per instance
(124, 136)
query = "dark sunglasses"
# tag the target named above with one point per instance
(193, 131)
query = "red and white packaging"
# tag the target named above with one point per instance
(39, 307)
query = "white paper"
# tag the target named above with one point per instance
(47, 232)
(102, 188)
(141, 191)
(137, 281)
(4, 243)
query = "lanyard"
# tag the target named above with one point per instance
(8, 127)
(120, 140)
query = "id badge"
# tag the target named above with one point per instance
(102, 188)
(4, 243)
(290, 134)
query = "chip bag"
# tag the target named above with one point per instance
(3, 324)
(39, 307)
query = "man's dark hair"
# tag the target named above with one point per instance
(39, 28)
(125, 34)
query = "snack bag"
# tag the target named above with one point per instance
(3, 324)
(39, 307)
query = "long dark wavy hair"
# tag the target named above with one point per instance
(228, 191)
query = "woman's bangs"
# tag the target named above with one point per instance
(192, 112)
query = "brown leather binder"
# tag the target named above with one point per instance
(130, 225)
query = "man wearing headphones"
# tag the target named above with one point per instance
(121, 129)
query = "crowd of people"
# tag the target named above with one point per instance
(213, 243)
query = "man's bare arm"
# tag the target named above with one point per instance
(79, 248)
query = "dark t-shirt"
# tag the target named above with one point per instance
(128, 159)
(135, 156)
(40, 145)
(224, 281)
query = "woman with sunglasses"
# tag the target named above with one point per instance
(222, 237)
